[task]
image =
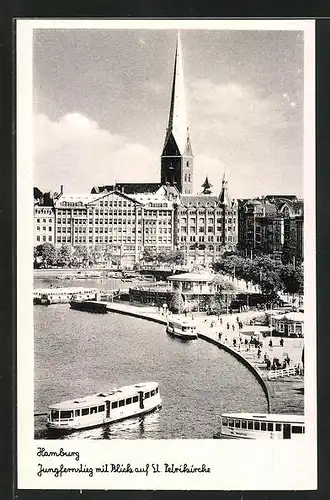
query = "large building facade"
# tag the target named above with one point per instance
(128, 218)
(272, 225)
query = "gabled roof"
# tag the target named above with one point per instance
(199, 200)
(116, 192)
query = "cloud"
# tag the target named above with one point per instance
(76, 152)
(154, 87)
(232, 107)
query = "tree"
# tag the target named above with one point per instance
(216, 304)
(176, 304)
(292, 279)
(63, 257)
(47, 254)
(108, 254)
(80, 255)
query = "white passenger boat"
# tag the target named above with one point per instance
(183, 328)
(261, 426)
(105, 407)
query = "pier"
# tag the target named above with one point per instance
(284, 394)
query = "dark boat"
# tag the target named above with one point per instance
(89, 306)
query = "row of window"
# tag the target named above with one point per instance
(201, 239)
(44, 238)
(45, 220)
(43, 211)
(44, 228)
(260, 426)
(63, 414)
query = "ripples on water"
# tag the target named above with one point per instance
(79, 353)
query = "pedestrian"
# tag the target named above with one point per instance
(220, 321)
(281, 342)
(259, 352)
(234, 342)
(233, 327)
(246, 341)
(228, 326)
(237, 319)
(270, 343)
(220, 335)
(226, 339)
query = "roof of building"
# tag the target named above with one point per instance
(128, 187)
(206, 277)
(76, 198)
(199, 199)
(291, 316)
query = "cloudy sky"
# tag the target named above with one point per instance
(101, 103)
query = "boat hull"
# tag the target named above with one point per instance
(88, 306)
(76, 427)
(185, 336)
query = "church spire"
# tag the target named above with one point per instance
(206, 186)
(224, 196)
(177, 156)
(177, 121)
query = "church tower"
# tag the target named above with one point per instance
(177, 155)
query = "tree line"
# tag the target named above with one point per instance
(272, 276)
(47, 255)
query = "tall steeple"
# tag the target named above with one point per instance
(224, 196)
(177, 156)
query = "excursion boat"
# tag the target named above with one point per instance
(105, 407)
(182, 328)
(261, 426)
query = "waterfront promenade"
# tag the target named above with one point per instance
(284, 395)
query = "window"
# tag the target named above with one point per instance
(147, 395)
(100, 408)
(244, 424)
(77, 413)
(231, 422)
(156, 390)
(66, 414)
(250, 425)
(135, 399)
(152, 393)
(122, 402)
(270, 427)
(38, 238)
(278, 427)
(114, 404)
(128, 401)
(225, 422)
(44, 238)
(257, 426)
(297, 429)
(237, 424)
(93, 409)
(263, 426)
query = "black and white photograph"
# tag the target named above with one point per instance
(166, 258)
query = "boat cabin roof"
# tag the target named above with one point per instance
(267, 417)
(182, 321)
(99, 398)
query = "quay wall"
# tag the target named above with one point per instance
(265, 386)
(135, 314)
(244, 361)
